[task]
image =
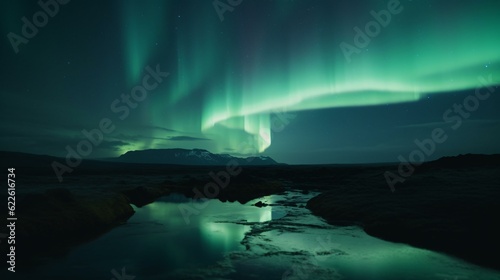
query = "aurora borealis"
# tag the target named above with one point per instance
(230, 79)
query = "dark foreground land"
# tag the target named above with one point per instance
(449, 205)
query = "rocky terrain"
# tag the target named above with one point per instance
(448, 205)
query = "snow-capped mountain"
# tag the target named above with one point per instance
(189, 157)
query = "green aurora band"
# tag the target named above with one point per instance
(236, 73)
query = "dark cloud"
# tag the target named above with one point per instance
(160, 128)
(187, 138)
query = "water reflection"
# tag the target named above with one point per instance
(214, 225)
(204, 239)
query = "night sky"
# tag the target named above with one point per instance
(301, 81)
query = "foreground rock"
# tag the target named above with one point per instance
(58, 218)
(452, 210)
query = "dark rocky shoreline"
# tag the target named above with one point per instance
(451, 210)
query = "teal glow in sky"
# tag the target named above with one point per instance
(229, 78)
